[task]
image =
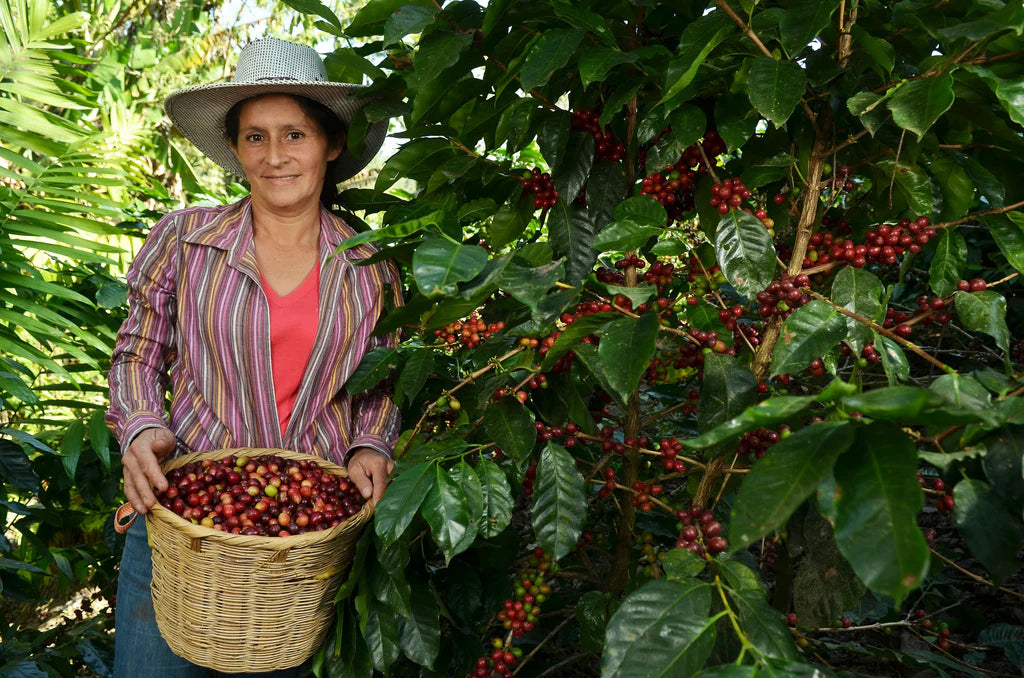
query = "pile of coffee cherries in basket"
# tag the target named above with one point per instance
(263, 496)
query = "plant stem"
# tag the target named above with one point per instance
(975, 577)
(543, 642)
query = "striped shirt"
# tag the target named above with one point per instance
(199, 323)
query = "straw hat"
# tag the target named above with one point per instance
(269, 66)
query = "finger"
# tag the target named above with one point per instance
(380, 481)
(358, 475)
(150, 468)
(133, 496)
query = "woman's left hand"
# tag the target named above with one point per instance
(369, 470)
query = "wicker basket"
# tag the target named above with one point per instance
(238, 603)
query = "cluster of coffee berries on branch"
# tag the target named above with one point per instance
(784, 296)
(671, 447)
(936, 309)
(937, 489)
(469, 332)
(973, 285)
(538, 182)
(607, 146)
(729, 195)
(565, 435)
(674, 186)
(756, 443)
(264, 496)
(642, 494)
(699, 531)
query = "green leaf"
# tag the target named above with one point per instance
(497, 499)
(984, 312)
(696, 43)
(736, 120)
(986, 182)
(71, 447)
(810, 332)
(912, 184)
(509, 222)
(382, 636)
(373, 17)
(550, 53)
(447, 513)
(571, 230)
(948, 262)
(745, 252)
(763, 625)
(641, 210)
(877, 48)
(571, 173)
(956, 186)
(420, 631)
(400, 503)
(315, 7)
(417, 369)
(1008, 232)
(530, 285)
(894, 361)
(917, 104)
(992, 533)
(514, 124)
(510, 426)
(415, 154)
(683, 564)
(1002, 464)
(405, 20)
(15, 468)
(571, 336)
(1009, 91)
(375, 366)
(895, 403)
(788, 474)
(775, 88)
(99, 437)
(625, 350)
(803, 21)
(1007, 637)
(597, 61)
(767, 413)
(877, 506)
(663, 629)
(440, 264)
(688, 124)
(560, 503)
(965, 394)
(729, 389)
(867, 106)
(585, 19)
(437, 51)
(625, 236)
(861, 292)
(592, 613)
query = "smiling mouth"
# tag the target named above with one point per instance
(282, 178)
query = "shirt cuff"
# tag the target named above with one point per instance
(136, 424)
(375, 443)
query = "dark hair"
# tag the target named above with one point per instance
(330, 126)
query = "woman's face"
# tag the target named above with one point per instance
(283, 151)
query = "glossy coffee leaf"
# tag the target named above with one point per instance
(375, 366)
(582, 327)
(956, 186)
(420, 631)
(1004, 457)
(530, 285)
(803, 21)
(571, 173)
(917, 104)
(407, 19)
(768, 413)
(597, 61)
(860, 292)
(984, 312)
(809, 332)
(993, 534)
(497, 499)
(510, 221)
(948, 262)
(438, 265)
(775, 87)
(465, 476)
(625, 350)
(695, 44)
(745, 252)
(788, 474)
(572, 230)
(592, 613)
(683, 565)
(876, 511)
(1008, 232)
(893, 359)
(624, 236)
(729, 389)
(912, 184)
(559, 502)
(662, 630)
(372, 18)
(417, 369)
(550, 53)
(509, 425)
(382, 636)
(763, 625)
(400, 503)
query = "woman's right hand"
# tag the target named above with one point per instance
(141, 464)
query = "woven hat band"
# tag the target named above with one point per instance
(271, 59)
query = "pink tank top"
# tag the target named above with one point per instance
(293, 324)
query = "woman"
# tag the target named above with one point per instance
(243, 311)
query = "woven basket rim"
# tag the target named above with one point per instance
(160, 515)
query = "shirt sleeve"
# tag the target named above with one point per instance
(145, 343)
(376, 421)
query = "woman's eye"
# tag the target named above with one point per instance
(254, 138)
(295, 135)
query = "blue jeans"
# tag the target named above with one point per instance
(139, 649)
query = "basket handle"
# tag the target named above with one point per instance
(124, 518)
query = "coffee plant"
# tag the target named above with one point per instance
(755, 267)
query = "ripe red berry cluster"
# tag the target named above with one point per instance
(632, 261)
(539, 183)
(783, 296)
(606, 144)
(936, 308)
(607, 432)
(265, 496)
(885, 243)
(728, 316)
(469, 332)
(673, 188)
(568, 432)
(708, 537)
(843, 182)
(671, 447)
(759, 441)
(729, 195)
(896, 320)
(973, 285)
(943, 495)
(642, 493)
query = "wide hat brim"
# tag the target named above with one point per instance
(199, 112)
